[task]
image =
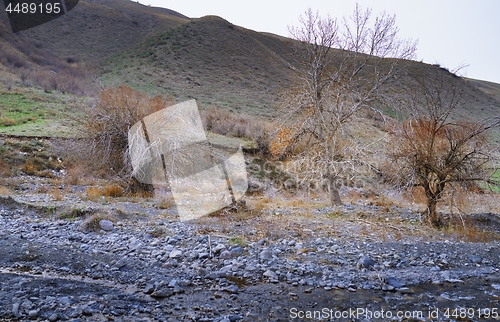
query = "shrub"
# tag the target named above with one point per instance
(243, 126)
(105, 127)
(6, 121)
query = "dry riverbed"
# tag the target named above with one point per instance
(119, 260)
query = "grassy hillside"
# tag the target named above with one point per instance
(163, 52)
(211, 60)
(95, 29)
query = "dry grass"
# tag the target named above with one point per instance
(4, 191)
(165, 203)
(238, 125)
(93, 193)
(113, 191)
(463, 229)
(56, 194)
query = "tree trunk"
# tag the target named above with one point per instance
(431, 215)
(334, 193)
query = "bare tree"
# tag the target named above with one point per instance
(343, 66)
(433, 151)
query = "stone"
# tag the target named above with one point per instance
(475, 259)
(121, 263)
(394, 282)
(237, 251)
(33, 313)
(106, 225)
(219, 248)
(225, 255)
(265, 255)
(15, 308)
(272, 275)
(175, 253)
(232, 289)
(65, 300)
(149, 289)
(366, 262)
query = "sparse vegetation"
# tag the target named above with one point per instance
(105, 130)
(343, 68)
(433, 151)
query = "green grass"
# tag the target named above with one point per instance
(36, 113)
(494, 177)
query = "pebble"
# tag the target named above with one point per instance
(164, 266)
(106, 225)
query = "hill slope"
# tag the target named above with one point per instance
(164, 52)
(209, 59)
(95, 29)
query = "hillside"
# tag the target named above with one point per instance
(95, 29)
(209, 59)
(163, 52)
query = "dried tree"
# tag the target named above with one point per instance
(431, 149)
(342, 68)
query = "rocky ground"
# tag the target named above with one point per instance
(80, 260)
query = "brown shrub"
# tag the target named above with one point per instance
(93, 193)
(113, 191)
(104, 130)
(7, 121)
(238, 125)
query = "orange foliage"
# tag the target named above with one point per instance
(284, 139)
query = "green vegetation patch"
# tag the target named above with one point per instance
(35, 113)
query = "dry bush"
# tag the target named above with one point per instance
(75, 174)
(103, 148)
(243, 126)
(166, 203)
(6, 121)
(56, 194)
(93, 193)
(113, 191)
(466, 230)
(5, 170)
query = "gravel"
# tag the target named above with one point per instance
(53, 270)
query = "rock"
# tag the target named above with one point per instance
(164, 292)
(272, 275)
(149, 289)
(53, 317)
(172, 283)
(33, 313)
(219, 248)
(406, 290)
(87, 310)
(225, 255)
(106, 225)
(121, 263)
(15, 308)
(203, 255)
(265, 255)
(175, 253)
(366, 262)
(475, 259)
(232, 289)
(65, 300)
(237, 251)
(394, 282)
